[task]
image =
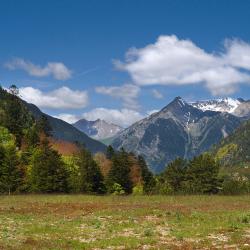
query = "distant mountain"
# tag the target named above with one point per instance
(234, 151)
(98, 129)
(178, 130)
(61, 130)
(238, 107)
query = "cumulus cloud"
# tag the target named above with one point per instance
(171, 61)
(55, 69)
(123, 117)
(61, 98)
(150, 112)
(69, 118)
(128, 93)
(157, 94)
(238, 53)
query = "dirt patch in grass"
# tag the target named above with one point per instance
(144, 222)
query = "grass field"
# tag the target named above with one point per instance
(129, 222)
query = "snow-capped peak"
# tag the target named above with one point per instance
(227, 104)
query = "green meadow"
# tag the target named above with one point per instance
(124, 222)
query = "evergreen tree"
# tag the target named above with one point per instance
(32, 137)
(202, 175)
(110, 152)
(17, 118)
(47, 171)
(10, 171)
(90, 173)
(175, 174)
(119, 172)
(147, 176)
(43, 126)
(13, 89)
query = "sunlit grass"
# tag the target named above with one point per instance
(127, 222)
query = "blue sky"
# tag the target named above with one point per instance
(74, 58)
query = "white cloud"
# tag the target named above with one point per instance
(157, 94)
(128, 93)
(171, 61)
(69, 118)
(123, 117)
(150, 112)
(61, 98)
(238, 53)
(56, 69)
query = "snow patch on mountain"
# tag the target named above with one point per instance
(227, 104)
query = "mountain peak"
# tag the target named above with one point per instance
(98, 129)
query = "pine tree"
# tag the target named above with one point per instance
(202, 175)
(10, 171)
(32, 137)
(147, 176)
(110, 152)
(175, 174)
(119, 172)
(44, 126)
(17, 118)
(90, 173)
(48, 172)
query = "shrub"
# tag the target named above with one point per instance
(117, 189)
(138, 189)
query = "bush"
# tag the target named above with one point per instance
(117, 189)
(163, 187)
(138, 189)
(236, 184)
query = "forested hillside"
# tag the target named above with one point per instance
(235, 149)
(29, 162)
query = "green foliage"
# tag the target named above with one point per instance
(74, 174)
(31, 138)
(10, 170)
(198, 176)
(147, 176)
(235, 184)
(89, 172)
(117, 189)
(43, 125)
(202, 175)
(162, 186)
(138, 189)
(119, 172)
(175, 174)
(47, 171)
(110, 152)
(234, 150)
(14, 115)
(6, 138)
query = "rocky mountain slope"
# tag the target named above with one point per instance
(61, 130)
(178, 130)
(98, 129)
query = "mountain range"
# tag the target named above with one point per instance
(237, 107)
(182, 129)
(98, 129)
(64, 131)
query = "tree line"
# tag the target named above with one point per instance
(30, 164)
